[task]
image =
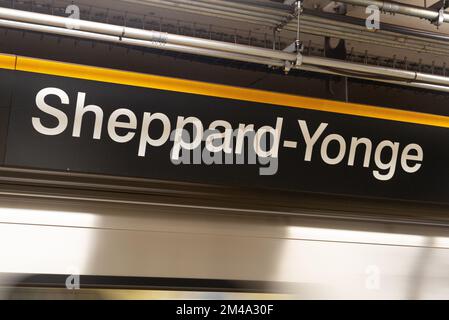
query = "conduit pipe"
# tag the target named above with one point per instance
(138, 42)
(164, 41)
(419, 85)
(311, 22)
(150, 35)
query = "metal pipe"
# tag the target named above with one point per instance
(419, 85)
(152, 39)
(362, 68)
(382, 34)
(213, 12)
(394, 74)
(150, 35)
(349, 21)
(196, 11)
(324, 20)
(271, 6)
(381, 39)
(138, 42)
(220, 8)
(400, 9)
(207, 44)
(246, 7)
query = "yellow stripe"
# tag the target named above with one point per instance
(195, 87)
(7, 61)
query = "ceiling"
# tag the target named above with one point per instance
(254, 22)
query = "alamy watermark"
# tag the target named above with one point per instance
(73, 280)
(243, 145)
(372, 22)
(74, 15)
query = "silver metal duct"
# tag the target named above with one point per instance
(150, 35)
(326, 27)
(138, 42)
(165, 41)
(311, 23)
(419, 85)
(223, 9)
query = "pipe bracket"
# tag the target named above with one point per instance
(299, 59)
(440, 20)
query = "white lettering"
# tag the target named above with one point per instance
(58, 114)
(310, 140)
(113, 123)
(145, 135)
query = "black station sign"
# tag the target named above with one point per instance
(211, 136)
